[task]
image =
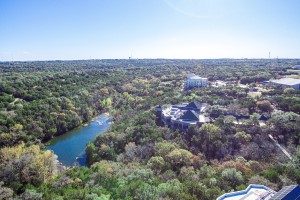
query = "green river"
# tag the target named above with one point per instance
(70, 147)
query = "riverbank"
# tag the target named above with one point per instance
(93, 119)
(70, 147)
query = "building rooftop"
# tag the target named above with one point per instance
(190, 115)
(193, 76)
(190, 75)
(186, 112)
(252, 192)
(288, 193)
(194, 105)
(286, 81)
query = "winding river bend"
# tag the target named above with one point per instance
(70, 147)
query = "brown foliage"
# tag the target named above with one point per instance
(237, 165)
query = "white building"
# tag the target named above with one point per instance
(218, 83)
(252, 192)
(286, 83)
(261, 192)
(193, 81)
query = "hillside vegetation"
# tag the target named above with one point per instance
(138, 158)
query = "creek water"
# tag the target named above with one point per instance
(70, 147)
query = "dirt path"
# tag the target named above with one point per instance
(280, 147)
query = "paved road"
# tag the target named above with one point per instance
(281, 148)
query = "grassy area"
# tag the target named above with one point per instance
(254, 94)
(294, 71)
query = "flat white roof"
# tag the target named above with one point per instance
(252, 192)
(202, 118)
(286, 81)
(190, 75)
(195, 77)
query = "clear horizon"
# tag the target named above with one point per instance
(95, 59)
(169, 29)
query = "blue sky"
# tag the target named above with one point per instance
(84, 29)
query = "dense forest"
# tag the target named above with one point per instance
(138, 158)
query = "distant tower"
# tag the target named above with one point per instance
(269, 55)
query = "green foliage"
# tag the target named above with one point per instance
(21, 165)
(272, 175)
(209, 139)
(91, 156)
(172, 189)
(106, 103)
(264, 106)
(31, 195)
(157, 163)
(296, 157)
(179, 158)
(164, 148)
(260, 180)
(136, 158)
(244, 137)
(232, 177)
(5, 192)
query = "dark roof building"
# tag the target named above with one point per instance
(190, 116)
(183, 115)
(288, 193)
(194, 105)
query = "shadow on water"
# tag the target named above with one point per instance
(70, 147)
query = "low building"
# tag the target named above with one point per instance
(291, 192)
(218, 83)
(261, 192)
(266, 82)
(193, 81)
(182, 116)
(252, 192)
(286, 83)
